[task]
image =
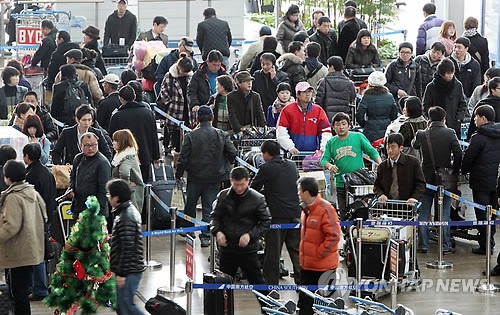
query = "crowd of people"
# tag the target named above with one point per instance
(294, 81)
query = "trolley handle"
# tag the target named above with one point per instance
(330, 310)
(371, 303)
(271, 311)
(266, 299)
(400, 202)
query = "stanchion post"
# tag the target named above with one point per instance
(189, 297)
(213, 243)
(440, 263)
(359, 229)
(394, 293)
(488, 287)
(150, 264)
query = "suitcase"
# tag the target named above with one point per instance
(115, 51)
(160, 305)
(218, 302)
(163, 186)
(6, 306)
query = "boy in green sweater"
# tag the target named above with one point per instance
(344, 154)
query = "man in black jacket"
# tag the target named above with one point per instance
(326, 38)
(468, 70)
(213, 33)
(39, 176)
(47, 46)
(108, 105)
(267, 79)
(121, 26)
(481, 161)
(89, 175)
(277, 179)
(127, 249)
(239, 219)
(207, 165)
(49, 127)
(57, 59)
(403, 74)
(348, 33)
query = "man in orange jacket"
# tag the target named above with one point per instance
(320, 236)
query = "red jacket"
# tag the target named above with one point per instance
(320, 236)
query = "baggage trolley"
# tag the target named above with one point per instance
(371, 307)
(275, 305)
(253, 137)
(324, 305)
(441, 311)
(307, 163)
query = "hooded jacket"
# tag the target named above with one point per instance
(116, 28)
(482, 157)
(198, 90)
(22, 213)
(468, 72)
(294, 68)
(427, 68)
(335, 93)
(168, 61)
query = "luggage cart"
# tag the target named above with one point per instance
(253, 137)
(323, 305)
(275, 305)
(441, 311)
(308, 166)
(371, 307)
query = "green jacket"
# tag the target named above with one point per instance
(128, 169)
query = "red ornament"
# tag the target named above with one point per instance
(65, 285)
(79, 270)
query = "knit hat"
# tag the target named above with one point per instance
(91, 31)
(283, 86)
(405, 45)
(74, 53)
(265, 30)
(377, 78)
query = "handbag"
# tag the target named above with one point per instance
(62, 174)
(444, 176)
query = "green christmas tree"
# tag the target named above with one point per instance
(83, 278)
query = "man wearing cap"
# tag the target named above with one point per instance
(244, 105)
(303, 125)
(156, 32)
(111, 102)
(255, 48)
(185, 46)
(47, 46)
(213, 33)
(207, 165)
(90, 37)
(121, 26)
(74, 57)
(57, 59)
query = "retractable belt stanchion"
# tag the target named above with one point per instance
(171, 288)
(150, 264)
(359, 229)
(213, 243)
(189, 297)
(440, 263)
(488, 287)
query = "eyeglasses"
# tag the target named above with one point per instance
(90, 145)
(406, 53)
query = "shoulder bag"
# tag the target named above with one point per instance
(444, 176)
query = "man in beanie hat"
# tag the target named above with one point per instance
(121, 26)
(90, 38)
(403, 74)
(207, 165)
(47, 46)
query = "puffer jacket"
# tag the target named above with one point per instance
(482, 157)
(127, 249)
(319, 236)
(335, 93)
(48, 124)
(206, 163)
(398, 77)
(375, 113)
(198, 90)
(22, 218)
(213, 33)
(428, 33)
(358, 57)
(294, 68)
(286, 30)
(235, 215)
(88, 76)
(427, 68)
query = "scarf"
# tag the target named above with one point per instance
(118, 158)
(470, 32)
(311, 63)
(449, 44)
(445, 87)
(326, 38)
(278, 105)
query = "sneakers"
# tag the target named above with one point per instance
(449, 251)
(205, 242)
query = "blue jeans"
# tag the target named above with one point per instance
(208, 193)
(40, 280)
(125, 296)
(425, 214)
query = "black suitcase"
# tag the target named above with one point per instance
(114, 51)
(5, 300)
(160, 305)
(163, 186)
(218, 302)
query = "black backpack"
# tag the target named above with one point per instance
(149, 72)
(74, 96)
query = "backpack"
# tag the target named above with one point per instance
(149, 71)
(74, 96)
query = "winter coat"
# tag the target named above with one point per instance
(120, 27)
(276, 179)
(255, 64)
(87, 75)
(294, 68)
(127, 248)
(48, 124)
(314, 77)
(319, 236)
(482, 156)
(214, 102)
(213, 33)
(106, 108)
(266, 87)
(326, 50)
(127, 117)
(253, 50)
(445, 147)
(399, 78)
(375, 112)
(23, 214)
(491, 100)
(245, 110)
(335, 93)
(57, 109)
(206, 163)
(358, 57)
(198, 90)
(67, 146)
(468, 73)
(361, 23)
(347, 35)
(428, 33)
(286, 31)
(57, 59)
(125, 165)
(427, 69)
(42, 179)
(449, 96)
(236, 215)
(410, 178)
(4, 103)
(148, 36)
(89, 176)
(171, 99)
(45, 50)
(168, 61)
(478, 49)
(99, 62)
(409, 128)
(479, 93)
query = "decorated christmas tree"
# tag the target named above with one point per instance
(83, 278)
